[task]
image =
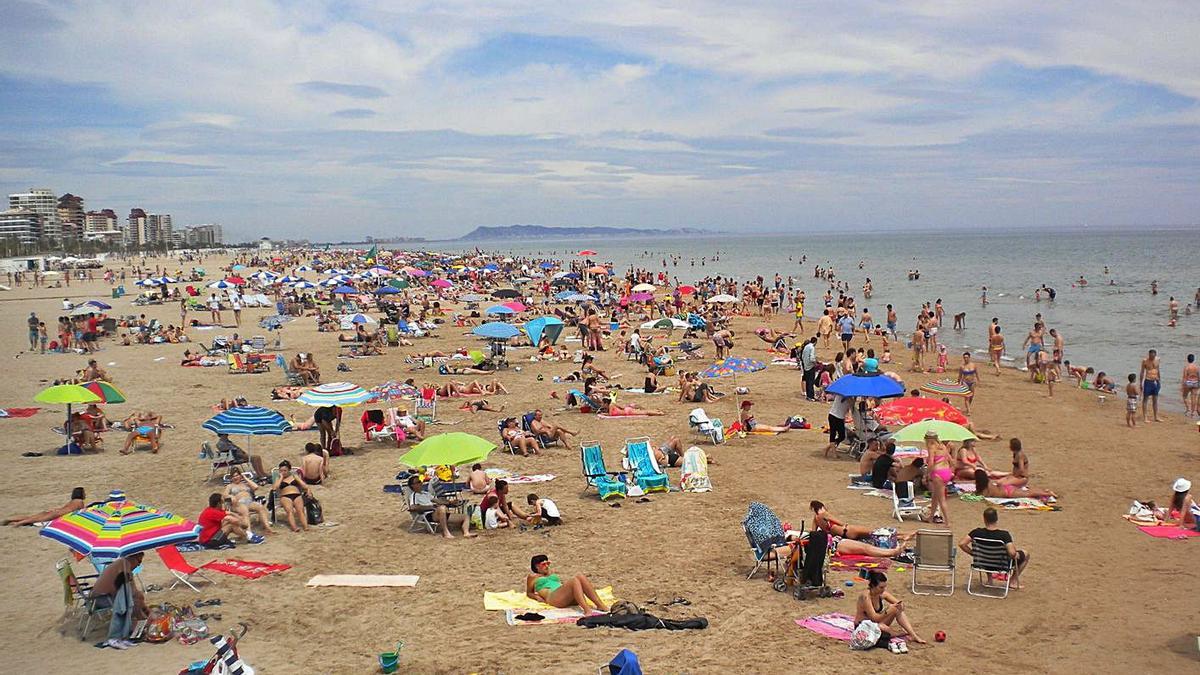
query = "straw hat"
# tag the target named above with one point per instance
(1182, 485)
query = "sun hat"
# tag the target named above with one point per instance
(931, 434)
(1182, 485)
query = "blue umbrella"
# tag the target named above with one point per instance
(732, 366)
(550, 326)
(581, 297)
(548, 265)
(249, 420)
(345, 290)
(386, 290)
(499, 309)
(563, 295)
(491, 266)
(359, 318)
(876, 385)
(97, 304)
(497, 330)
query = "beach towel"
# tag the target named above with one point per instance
(908, 452)
(247, 569)
(535, 478)
(1021, 504)
(618, 417)
(836, 626)
(1168, 532)
(519, 601)
(552, 616)
(854, 563)
(364, 580)
(18, 412)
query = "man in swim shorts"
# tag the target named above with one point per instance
(1151, 384)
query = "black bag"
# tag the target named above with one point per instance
(814, 558)
(313, 508)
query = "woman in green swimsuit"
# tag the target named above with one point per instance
(557, 592)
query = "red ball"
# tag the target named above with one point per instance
(940, 636)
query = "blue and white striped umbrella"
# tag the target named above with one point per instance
(331, 281)
(496, 330)
(335, 393)
(289, 279)
(221, 284)
(301, 285)
(164, 279)
(358, 318)
(148, 282)
(248, 420)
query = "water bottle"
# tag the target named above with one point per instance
(274, 475)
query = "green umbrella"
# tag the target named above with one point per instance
(451, 449)
(398, 283)
(68, 394)
(946, 431)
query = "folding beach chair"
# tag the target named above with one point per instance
(184, 572)
(422, 521)
(764, 532)
(713, 429)
(290, 376)
(904, 501)
(595, 475)
(527, 427)
(989, 560)
(77, 597)
(647, 474)
(934, 552)
(258, 343)
(221, 461)
(425, 407)
(503, 439)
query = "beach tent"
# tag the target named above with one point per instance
(551, 326)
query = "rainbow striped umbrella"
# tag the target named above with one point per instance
(107, 391)
(733, 365)
(119, 528)
(946, 388)
(335, 393)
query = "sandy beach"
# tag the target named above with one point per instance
(1098, 597)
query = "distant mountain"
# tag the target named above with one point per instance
(483, 233)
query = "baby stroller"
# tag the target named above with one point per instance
(866, 428)
(496, 355)
(805, 567)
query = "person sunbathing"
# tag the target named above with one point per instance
(96, 418)
(518, 440)
(286, 393)
(444, 369)
(291, 489)
(551, 589)
(413, 428)
(551, 430)
(750, 424)
(985, 487)
(589, 368)
(848, 536)
(670, 452)
(142, 425)
(882, 608)
(241, 493)
(418, 356)
(611, 409)
(479, 406)
(190, 359)
(478, 480)
(967, 460)
(73, 504)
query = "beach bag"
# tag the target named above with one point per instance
(865, 635)
(158, 626)
(814, 558)
(796, 422)
(313, 507)
(884, 537)
(335, 448)
(624, 608)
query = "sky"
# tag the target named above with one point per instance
(343, 119)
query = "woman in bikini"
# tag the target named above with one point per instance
(1020, 465)
(849, 536)
(884, 609)
(985, 487)
(613, 410)
(995, 348)
(555, 591)
(521, 443)
(941, 474)
(291, 489)
(968, 375)
(240, 493)
(73, 504)
(750, 424)
(967, 460)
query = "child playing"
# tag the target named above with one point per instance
(943, 358)
(1131, 401)
(545, 511)
(826, 380)
(42, 335)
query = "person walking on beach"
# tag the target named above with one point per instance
(891, 322)
(1151, 383)
(995, 346)
(33, 331)
(825, 327)
(1190, 386)
(214, 308)
(1033, 344)
(1131, 401)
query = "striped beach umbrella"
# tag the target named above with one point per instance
(733, 365)
(220, 284)
(946, 388)
(248, 421)
(107, 391)
(119, 528)
(342, 394)
(303, 285)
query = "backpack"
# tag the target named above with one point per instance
(313, 508)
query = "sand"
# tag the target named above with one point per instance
(1099, 596)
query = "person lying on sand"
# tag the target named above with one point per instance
(750, 424)
(985, 487)
(846, 539)
(556, 591)
(75, 503)
(613, 410)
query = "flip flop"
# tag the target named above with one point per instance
(207, 603)
(679, 601)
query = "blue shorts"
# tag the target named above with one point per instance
(1150, 387)
(1033, 349)
(891, 326)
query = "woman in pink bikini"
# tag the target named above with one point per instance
(985, 487)
(941, 474)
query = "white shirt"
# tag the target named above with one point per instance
(550, 508)
(420, 498)
(841, 406)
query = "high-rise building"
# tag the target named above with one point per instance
(135, 228)
(103, 225)
(42, 202)
(24, 226)
(158, 229)
(208, 234)
(70, 215)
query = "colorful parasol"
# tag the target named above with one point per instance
(733, 365)
(946, 431)
(344, 394)
(248, 420)
(451, 449)
(946, 388)
(107, 391)
(911, 409)
(119, 528)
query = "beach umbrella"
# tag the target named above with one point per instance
(449, 449)
(220, 284)
(499, 309)
(119, 528)
(946, 431)
(581, 297)
(164, 280)
(107, 391)
(236, 281)
(330, 282)
(70, 394)
(563, 295)
(550, 326)
(599, 269)
(153, 282)
(946, 388)
(398, 283)
(496, 330)
(250, 420)
(305, 268)
(416, 272)
(637, 297)
(344, 394)
(643, 287)
(505, 293)
(440, 283)
(392, 390)
(473, 297)
(289, 279)
(912, 409)
(345, 290)
(587, 251)
(98, 305)
(83, 310)
(515, 306)
(302, 285)
(666, 324)
(686, 290)
(386, 290)
(548, 265)
(238, 267)
(875, 385)
(733, 365)
(721, 299)
(359, 318)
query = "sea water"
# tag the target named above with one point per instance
(1109, 324)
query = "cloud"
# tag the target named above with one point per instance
(354, 113)
(341, 89)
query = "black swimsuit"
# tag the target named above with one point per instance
(290, 481)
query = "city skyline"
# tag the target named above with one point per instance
(359, 120)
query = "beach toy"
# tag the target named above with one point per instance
(940, 636)
(389, 662)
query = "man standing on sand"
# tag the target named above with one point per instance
(1190, 386)
(1033, 344)
(1058, 348)
(1151, 384)
(808, 363)
(33, 331)
(825, 327)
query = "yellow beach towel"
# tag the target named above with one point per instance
(516, 600)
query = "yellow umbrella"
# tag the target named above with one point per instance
(68, 394)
